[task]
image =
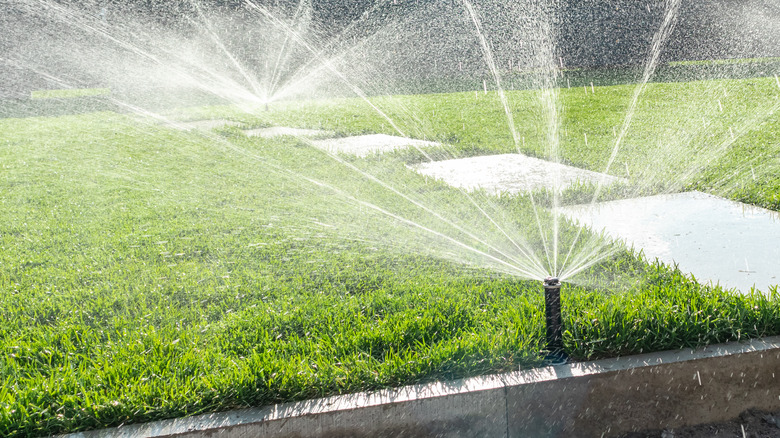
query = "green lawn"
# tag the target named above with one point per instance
(702, 134)
(151, 273)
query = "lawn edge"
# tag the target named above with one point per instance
(597, 398)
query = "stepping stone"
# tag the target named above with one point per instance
(206, 125)
(715, 239)
(363, 145)
(279, 131)
(509, 173)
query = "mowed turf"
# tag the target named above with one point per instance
(152, 273)
(720, 136)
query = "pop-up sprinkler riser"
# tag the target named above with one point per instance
(554, 320)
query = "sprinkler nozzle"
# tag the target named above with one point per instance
(552, 310)
(552, 282)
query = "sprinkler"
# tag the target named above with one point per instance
(552, 311)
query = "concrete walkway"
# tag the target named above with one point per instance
(510, 173)
(280, 131)
(718, 240)
(363, 145)
(206, 125)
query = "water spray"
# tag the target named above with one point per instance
(552, 311)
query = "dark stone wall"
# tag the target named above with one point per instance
(588, 33)
(620, 32)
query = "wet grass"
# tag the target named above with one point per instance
(718, 136)
(149, 273)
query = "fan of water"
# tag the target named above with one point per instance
(439, 72)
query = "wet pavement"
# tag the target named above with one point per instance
(715, 239)
(280, 131)
(205, 125)
(363, 145)
(509, 173)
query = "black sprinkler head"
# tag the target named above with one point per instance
(552, 282)
(552, 310)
